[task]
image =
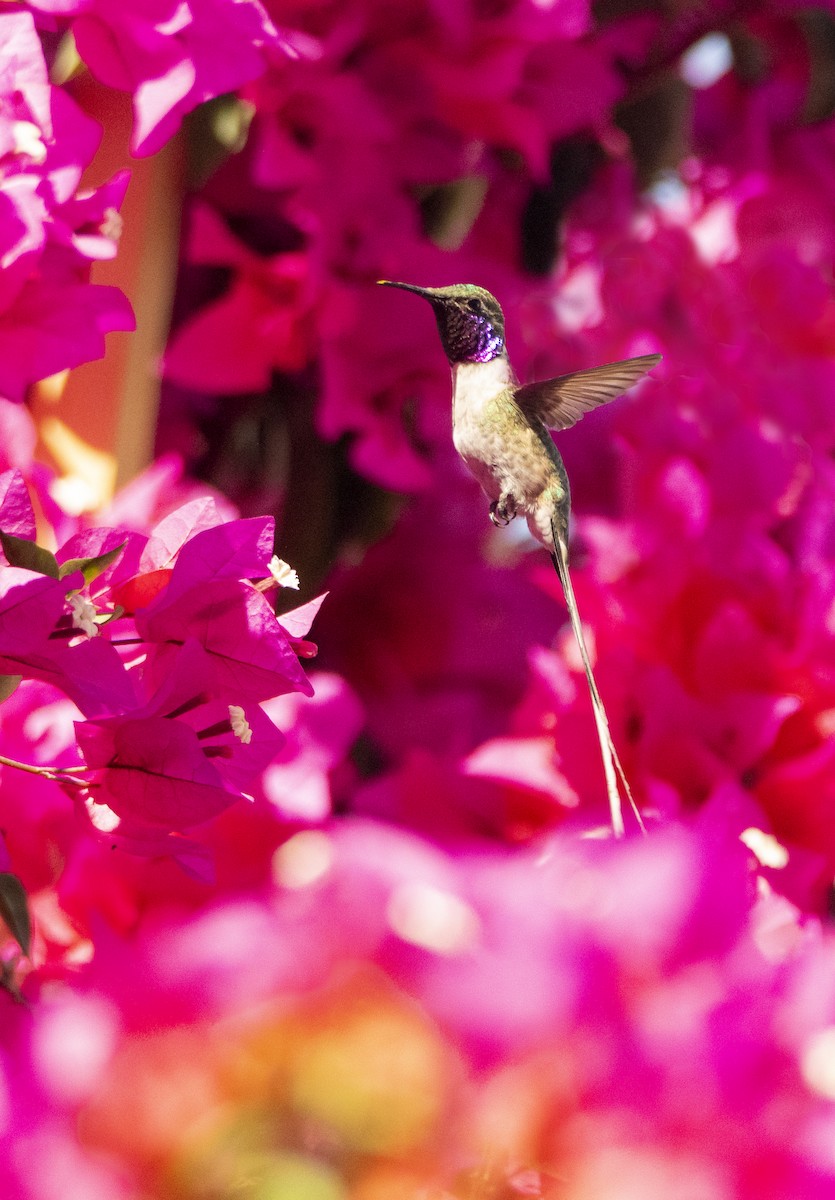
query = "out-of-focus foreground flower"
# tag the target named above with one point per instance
(594, 1020)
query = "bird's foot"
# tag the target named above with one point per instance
(503, 510)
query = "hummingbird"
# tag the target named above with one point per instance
(501, 430)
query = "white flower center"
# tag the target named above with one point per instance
(283, 573)
(83, 615)
(240, 725)
(28, 141)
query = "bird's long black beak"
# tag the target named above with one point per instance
(427, 293)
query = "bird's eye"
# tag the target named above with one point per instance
(474, 305)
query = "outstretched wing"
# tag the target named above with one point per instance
(559, 403)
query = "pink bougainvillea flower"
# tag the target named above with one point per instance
(70, 142)
(88, 670)
(51, 317)
(90, 651)
(522, 765)
(251, 655)
(297, 622)
(425, 657)
(518, 95)
(45, 138)
(90, 221)
(313, 117)
(58, 640)
(36, 640)
(373, 368)
(76, 619)
(55, 325)
(262, 324)
(319, 732)
(234, 549)
(193, 582)
(153, 769)
(169, 535)
(597, 1013)
(171, 55)
(31, 605)
(182, 758)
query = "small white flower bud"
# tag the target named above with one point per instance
(83, 615)
(283, 573)
(239, 723)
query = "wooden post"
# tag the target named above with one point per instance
(97, 422)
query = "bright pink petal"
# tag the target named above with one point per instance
(21, 51)
(251, 656)
(54, 326)
(298, 621)
(320, 731)
(159, 105)
(30, 607)
(16, 513)
(235, 550)
(160, 775)
(171, 534)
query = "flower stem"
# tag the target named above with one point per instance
(59, 775)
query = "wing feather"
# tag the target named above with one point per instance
(559, 403)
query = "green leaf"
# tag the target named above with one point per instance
(8, 684)
(14, 909)
(22, 553)
(106, 618)
(90, 568)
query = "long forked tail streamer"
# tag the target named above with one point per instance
(612, 766)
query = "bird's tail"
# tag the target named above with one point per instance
(612, 767)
